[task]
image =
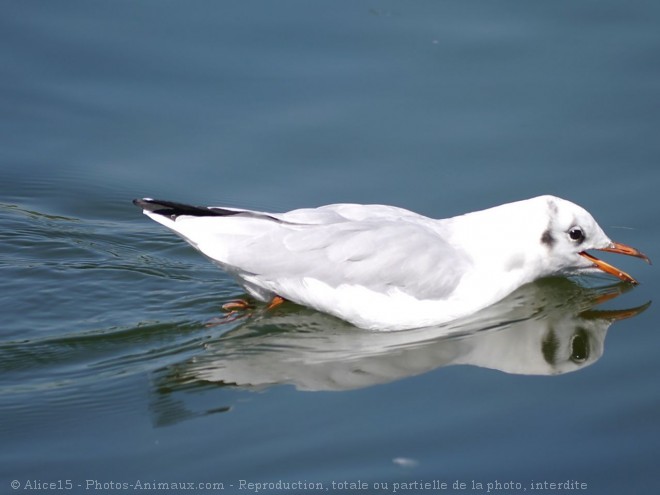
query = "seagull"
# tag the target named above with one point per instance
(387, 268)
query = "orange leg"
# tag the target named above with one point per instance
(240, 308)
(237, 305)
(277, 300)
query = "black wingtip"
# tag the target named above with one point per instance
(142, 203)
(155, 205)
(173, 210)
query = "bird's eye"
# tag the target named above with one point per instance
(580, 347)
(576, 234)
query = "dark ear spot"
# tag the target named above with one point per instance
(549, 347)
(547, 238)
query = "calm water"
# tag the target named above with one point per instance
(116, 366)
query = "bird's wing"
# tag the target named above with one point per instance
(380, 255)
(343, 212)
(380, 248)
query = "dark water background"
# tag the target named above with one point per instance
(113, 368)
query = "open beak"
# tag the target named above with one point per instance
(614, 314)
(616, 247)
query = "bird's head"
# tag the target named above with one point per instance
(537, 237)
(571, 232)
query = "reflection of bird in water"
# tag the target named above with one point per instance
(545, 328)
(386, 268)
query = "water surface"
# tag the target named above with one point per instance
(117, 365)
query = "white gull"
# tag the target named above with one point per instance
(386, 268)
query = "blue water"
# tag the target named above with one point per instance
(117, 367)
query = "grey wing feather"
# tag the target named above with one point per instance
(380, 255)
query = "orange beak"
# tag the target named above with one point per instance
(620, 249)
